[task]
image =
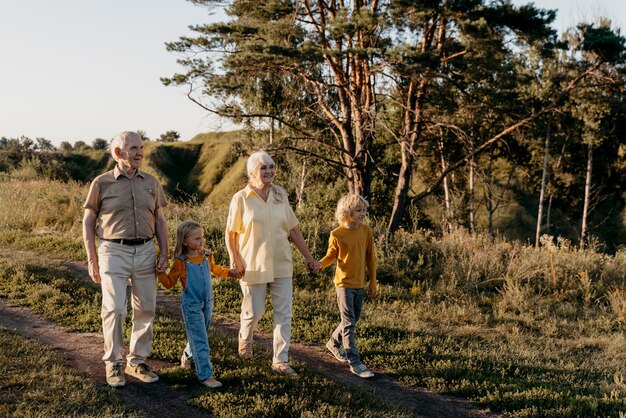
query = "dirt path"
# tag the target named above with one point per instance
(84, 351)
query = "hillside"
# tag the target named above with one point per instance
(208, 169)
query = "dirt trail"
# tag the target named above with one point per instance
(84, 351)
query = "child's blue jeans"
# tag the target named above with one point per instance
(196, 303)
(350, 302)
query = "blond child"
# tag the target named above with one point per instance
(193, 267)
(352, 245)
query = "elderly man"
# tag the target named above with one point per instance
(124, 209)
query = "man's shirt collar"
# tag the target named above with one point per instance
(117, 172)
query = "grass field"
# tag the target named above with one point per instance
(522, 331)
(37, 382)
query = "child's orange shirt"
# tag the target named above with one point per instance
(354, 250)
(179, 272)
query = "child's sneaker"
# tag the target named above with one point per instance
(212, 383)
(185, 363)
(361, 370)
(338, 352)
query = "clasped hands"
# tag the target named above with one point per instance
(313, 265)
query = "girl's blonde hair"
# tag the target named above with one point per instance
(347, 204)
(255, 161)
(182, 231)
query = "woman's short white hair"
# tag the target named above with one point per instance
(120, 141)
(347, 204)
(256, 160)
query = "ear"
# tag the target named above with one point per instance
(117, 151)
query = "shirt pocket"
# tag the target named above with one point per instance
(148, 198)
(114, 199)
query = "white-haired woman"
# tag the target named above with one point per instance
(259, 229)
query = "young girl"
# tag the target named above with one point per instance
(193, 266)
(352, 245)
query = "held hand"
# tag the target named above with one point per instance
(237, 266)
(313, 265)
(94, 271)
(234, 274)
(162, 264)
(371, 292)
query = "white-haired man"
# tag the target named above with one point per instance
(124, 209)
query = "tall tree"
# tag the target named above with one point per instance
(327, 49)
(465, 44)
(600, 47)
(329, 72)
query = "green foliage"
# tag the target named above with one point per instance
(169, 136)
(517, 329)
(100, 144)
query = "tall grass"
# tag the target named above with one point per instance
(524, 331)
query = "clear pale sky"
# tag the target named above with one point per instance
(83, 69)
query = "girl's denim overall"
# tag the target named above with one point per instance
(196, 303)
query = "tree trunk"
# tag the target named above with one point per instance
(489, 197)
(412, 127)
(300, 190)
(446, 190)
(556, 167)
(544, 176)
(472, 192)
(583, 229)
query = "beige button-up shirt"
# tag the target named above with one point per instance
(125, 207)
(263, 229)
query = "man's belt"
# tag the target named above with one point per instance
(124, 241)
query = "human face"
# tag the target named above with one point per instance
(265, 173)
(358, 214)
(194, 242)
(131, 155)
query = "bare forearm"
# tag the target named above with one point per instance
(298, 240)
(160, 228)
(232, 247)
(161, 235)
(89, 234)
(89, 239)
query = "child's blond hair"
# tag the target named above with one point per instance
(182, 231)
(347, 204)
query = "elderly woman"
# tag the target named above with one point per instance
(259, 229)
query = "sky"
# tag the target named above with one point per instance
(77, 70)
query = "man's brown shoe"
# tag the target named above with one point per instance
(115, 377)
(141, 372)
(245, 349)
